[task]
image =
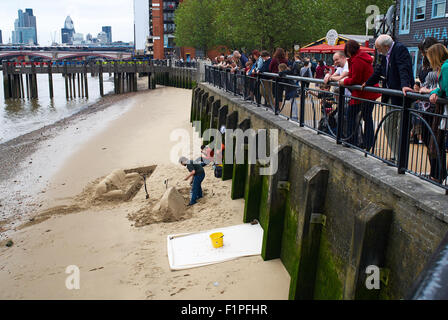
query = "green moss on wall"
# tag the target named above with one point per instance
(328, 285)
(264, 210)
(290, 254)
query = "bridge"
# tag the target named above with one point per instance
(59, 55)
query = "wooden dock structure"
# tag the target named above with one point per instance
(76, 80)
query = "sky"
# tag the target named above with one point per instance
(88, 17)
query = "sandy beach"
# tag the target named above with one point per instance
(120, 246)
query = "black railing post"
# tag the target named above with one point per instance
(302, 103)
(235, 78)
(257, 90)
(403, 142)
(276, 95)
(227, 79)
(341, 110)
(245, 90)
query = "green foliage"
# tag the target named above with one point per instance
(194, 24)
(268, 24)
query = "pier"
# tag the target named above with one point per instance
(75, 74)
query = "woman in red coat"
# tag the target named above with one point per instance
(360, 70)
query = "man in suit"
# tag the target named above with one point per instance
(396, 71)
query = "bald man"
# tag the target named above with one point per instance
(397, 73)
(241, 59)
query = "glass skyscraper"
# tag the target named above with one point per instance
(25, 31)
(108, 31)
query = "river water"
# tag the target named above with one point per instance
(21, 116)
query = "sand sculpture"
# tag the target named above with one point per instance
(172, 205)
(119, 185)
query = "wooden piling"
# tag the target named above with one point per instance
(6, 84)
(227, 167)
(33, 82)
(27, 80)
(100, 79)
(74, 84)
(368, 247)
(70, 84)
(50, 81)
(82, 85)
(86, 86)
(275, 193)
(79, 85)
(22, 91)
(303, 277)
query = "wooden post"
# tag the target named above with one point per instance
(100, 78)
(21, 87)
(6, 84)
(50, 80)
(86, 84)
(240, 169)
(275, 193)
(74, 85)
(71, 85)
(83, 91)
(34, 94)
(368, 248)
(27, 80)
(66, 81)
(79, 84)
(303, 278)
(227, 166)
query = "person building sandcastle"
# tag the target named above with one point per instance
(197, 174)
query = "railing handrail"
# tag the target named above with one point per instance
(386, 91)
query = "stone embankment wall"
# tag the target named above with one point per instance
(330, 212)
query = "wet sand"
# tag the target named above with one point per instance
(118, 260)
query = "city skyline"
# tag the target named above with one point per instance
(90, 17)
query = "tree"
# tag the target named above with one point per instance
(194, 24)
(267, 24)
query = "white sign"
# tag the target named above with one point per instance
(296, 47)
(332, 37)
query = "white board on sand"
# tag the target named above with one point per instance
(192, 250)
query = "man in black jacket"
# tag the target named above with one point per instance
(396, 71)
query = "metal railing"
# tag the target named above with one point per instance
(409, 135)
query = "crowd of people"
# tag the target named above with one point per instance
(354, 66)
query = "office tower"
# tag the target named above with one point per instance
(108, 31)
(25, 29)
(68, 31)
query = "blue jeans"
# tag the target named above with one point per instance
(196, 189)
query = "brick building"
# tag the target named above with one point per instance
(419, 19)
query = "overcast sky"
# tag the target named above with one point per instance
(88, 17)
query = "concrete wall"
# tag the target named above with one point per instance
(373, 214)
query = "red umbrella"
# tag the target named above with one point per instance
(325, 48)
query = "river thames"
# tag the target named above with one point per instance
(21, 116)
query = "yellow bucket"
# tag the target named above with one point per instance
(217, 239)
